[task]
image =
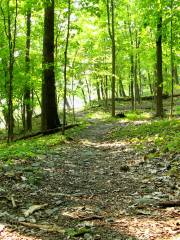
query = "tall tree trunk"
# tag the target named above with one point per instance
(159, 82)
(132, 84)
(176, 78)
(172, 62)
(113, 60)
(28, 91)
(136, 85)
(50, 119)
(106, 91)
(11, 36)
(98, 91)
(88, 90)
(111, 30)
(65, 66)
(102, 89)
(121, 88)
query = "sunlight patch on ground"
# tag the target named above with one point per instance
(105, 145)
(148, 228)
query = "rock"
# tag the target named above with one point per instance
(59, 202)
(146, 200)
(51, 211)
(31, 220)
(21, 219)
(97, 237)
(110, 220)
(88, 236)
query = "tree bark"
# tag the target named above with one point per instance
(159, 82)
(65, 66)
(111, 30)
(172, 62)
(28, 91)
(11, 37)
(50, 119)
(98, 91)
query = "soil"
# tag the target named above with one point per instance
(89, 188)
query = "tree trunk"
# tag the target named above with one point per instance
(159, 82)
(106, 91)
(98, 91)
(50, 119)
(65, 67)
(132, 83)
(102, 89)
(88, 90)
(176, 78)
(11, 36)
(113, 60)
(111, 30)
(27, 92)
(172, 62)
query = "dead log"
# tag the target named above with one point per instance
(145, 98)
(166, 204)
(47, 132)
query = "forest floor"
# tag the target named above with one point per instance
(93, 186)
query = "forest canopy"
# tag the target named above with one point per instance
(59, 55)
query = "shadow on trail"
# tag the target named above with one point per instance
(90, 182)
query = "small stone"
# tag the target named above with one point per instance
(32, 220)
(59, 202)
(21, 219)
(97, 237)
(88, 236)
(110, 220)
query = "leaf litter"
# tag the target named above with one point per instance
(90, 188)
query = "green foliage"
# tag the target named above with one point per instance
(27, 149)
(164, 134)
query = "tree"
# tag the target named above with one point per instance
(159, 82)
(10, 27)
(50, 119)
(65, 65)
(27, 105)
(111, 29)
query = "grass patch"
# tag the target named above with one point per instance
(138, 115)
(29, 148)
(164, 134)
(26, 149)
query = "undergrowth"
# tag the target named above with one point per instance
(29, 148)
(164, 134)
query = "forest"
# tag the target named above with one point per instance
(89, 119)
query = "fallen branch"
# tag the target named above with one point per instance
(47, 132)
(48, 228)
(166, 204)
(144, 98)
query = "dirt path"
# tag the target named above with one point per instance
(94, 189)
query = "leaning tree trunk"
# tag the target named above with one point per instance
(50, 119)
(159, 82)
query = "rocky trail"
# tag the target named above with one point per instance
(90, 187)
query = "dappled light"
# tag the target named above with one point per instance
(89, 120)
